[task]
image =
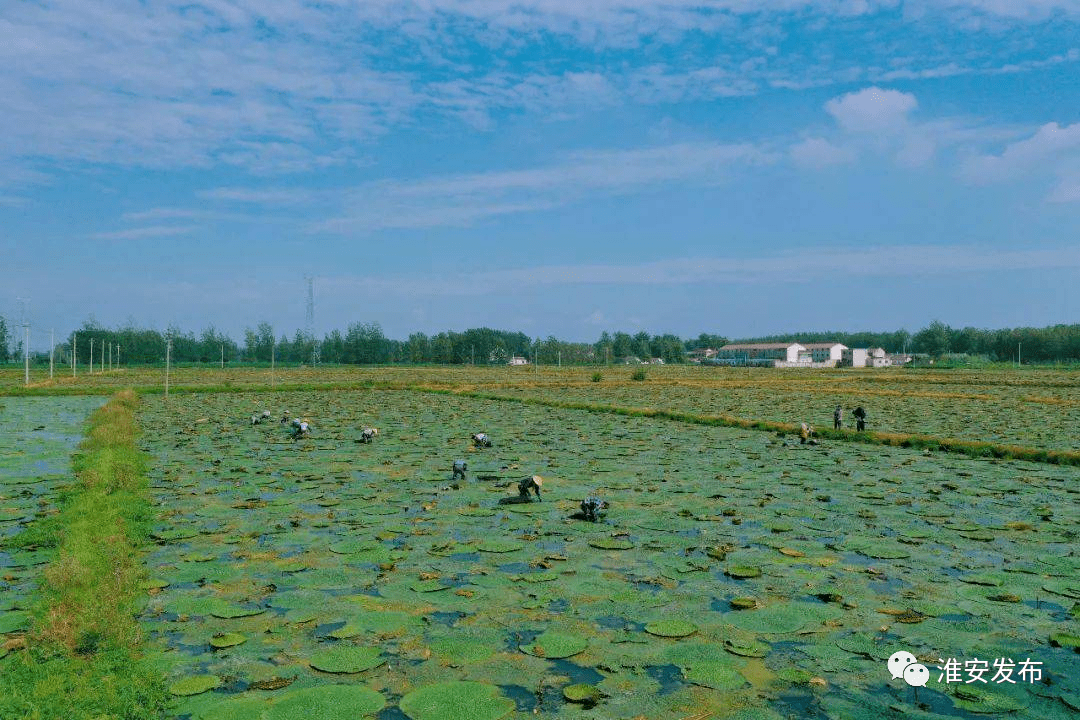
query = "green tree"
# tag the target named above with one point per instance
(933, 339)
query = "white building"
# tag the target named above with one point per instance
(865, 357)
(515, 360)
(826, 352)
(760, 353)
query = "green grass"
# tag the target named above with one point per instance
(81, 660)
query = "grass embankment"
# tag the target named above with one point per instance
(971, 448)
(81, 659)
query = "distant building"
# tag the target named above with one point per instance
(865, 357)
(656, 361)
(700, 354)
(515, 360)
(760, 353)
(854, 357)
(825, 352)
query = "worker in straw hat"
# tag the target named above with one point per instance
(526, 487)
(368, 434)
(481, 440)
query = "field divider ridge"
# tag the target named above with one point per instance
(81, 656)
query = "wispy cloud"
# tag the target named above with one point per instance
(293, 86)
(258, 196)
(464, 199)
(788, 267)
(150, 231)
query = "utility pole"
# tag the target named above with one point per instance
(74, 347)
(560, 357)
(222, 356)
(117, 357)
(272, 366)
(110, 357)
(91, 356)
(52, 344)
(26, 341)
(1017, 354)
(472, 354)
(26, 352)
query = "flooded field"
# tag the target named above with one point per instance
(737, 574)
(39, 435)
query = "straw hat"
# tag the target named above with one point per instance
(538, 480)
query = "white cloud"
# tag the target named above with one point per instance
(1049, 144)
(294, 86)
(145, 232)
(872, 110)
(818, 152)
(1067, 190)
(464, 199)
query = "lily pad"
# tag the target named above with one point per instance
(555, 645)
(609, 543)
(456, 701)
(587, 695)
(13, 620)
(225, 640)
(194, 685)
(499, 546)
(743, 572)
(230, 611)
(346, 659)
(671, 628)
(327, 702)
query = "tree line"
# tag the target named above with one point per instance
(366, 344)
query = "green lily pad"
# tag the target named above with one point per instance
(426, 586)
(456, 701)
(743, 572)
(13, 620)
(587, 695)
(609, 543)
(555, 645)
(746, 647)
(780, 618)
(346, 659)
(225, 640)
(327, 702)
(230, 611)
(195, 685)
(460, 649)
(671, 628)
(499, 546)
(235, 709)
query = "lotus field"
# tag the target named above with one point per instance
(736, 573)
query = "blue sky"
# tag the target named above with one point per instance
(560, 167)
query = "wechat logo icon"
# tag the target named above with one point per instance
(903, 664)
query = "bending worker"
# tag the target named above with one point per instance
(300, 429)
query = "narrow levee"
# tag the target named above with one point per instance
(71, 640)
